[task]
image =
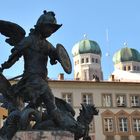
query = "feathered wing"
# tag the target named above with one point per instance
(13, 31)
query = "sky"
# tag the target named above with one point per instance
(108, 22)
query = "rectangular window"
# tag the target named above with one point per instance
(124, 68)
(134, 100)
(107, 100)
(87, 98)
(82, 61)
(96, 60)
(136, 124)
(129, 68)
(67, 97)
(123, 124)
(134, 68)
(121, 100)
(87, 60)
(108, 125)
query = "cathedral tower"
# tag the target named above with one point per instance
(87, 60)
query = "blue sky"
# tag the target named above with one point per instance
(92, 17)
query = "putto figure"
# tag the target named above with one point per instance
(33, 87)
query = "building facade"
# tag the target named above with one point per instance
(118, 104)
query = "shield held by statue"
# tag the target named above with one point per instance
(63, 58)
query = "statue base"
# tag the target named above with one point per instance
(43, 135)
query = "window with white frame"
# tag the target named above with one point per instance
(121, 100)
(108, 125)
(87, 98)
(134, 100)
(107, 100)
(123, 124)
(67, 97)
(136, 124)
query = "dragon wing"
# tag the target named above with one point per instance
(13, 31)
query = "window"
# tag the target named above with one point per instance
(129, 68)
(123, 124)
(124, 68)
(134, 100)
(107, 100)
(82, 61)
(121, 100)
(136, 124)
(135, 119)
(93, 60)
(108, 125)
(87, 98)
(96, 60)
(134, 67)
(87, 60)
(108, 121)
(67, 97)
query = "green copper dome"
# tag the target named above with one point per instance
(86, 46)
(126, 54)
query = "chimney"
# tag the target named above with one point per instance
(112, 77)
(61, 76)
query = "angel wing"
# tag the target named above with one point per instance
(13, 31)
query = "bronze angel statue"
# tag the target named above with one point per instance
(33, 87)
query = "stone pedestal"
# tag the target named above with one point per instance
(43, 135)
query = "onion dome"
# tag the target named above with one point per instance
(126, 54)
(86, 46)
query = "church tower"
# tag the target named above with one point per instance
(87, 60)
(126, 65)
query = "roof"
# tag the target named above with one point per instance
(126, 54)
(86, 46)
(126, 76)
